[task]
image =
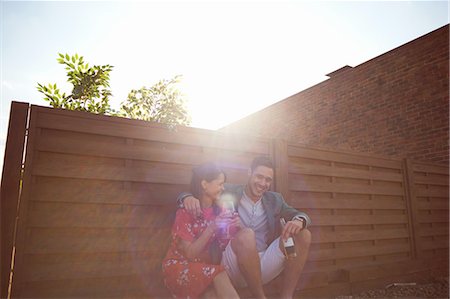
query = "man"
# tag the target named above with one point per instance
(255, 256)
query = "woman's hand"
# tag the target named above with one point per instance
(212, 228)
(236, 222)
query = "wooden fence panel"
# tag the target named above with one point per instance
(99, 195)
(430, 196)
(357, 205)
(100, 199)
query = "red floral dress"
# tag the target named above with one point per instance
(189, 278)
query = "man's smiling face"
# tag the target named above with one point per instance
(259, 182)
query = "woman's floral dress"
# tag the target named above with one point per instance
(189, 278)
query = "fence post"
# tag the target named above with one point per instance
(411, 206)
(281, 161)
(10, 188)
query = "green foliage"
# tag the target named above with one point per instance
(90, 87)
(162, 102)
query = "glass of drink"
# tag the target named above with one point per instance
(289, 246)
(225, 217)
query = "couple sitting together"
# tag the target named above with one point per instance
(205, 258)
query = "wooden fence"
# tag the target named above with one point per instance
(98, 197)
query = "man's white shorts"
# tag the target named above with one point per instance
(272, 263)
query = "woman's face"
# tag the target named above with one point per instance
(214, 188)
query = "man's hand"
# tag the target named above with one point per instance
(192, 206)
(291, 228)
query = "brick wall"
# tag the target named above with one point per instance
(396, 104)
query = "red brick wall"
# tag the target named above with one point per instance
(396, 104)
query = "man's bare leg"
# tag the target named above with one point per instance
(223, 286)
(293, 267)
(210, 293)
(244, 247)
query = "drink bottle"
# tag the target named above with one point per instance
(289, 246)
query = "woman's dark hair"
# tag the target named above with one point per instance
(208, 172)
(262, 161)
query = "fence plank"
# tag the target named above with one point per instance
(146, 131)
(95, 240)
(84, 167)
(345, 236)
(299, 185)
(92, 269)
(342, 172)
(430, 192)
(411, 202)
(60, 215)
(296, 151)
(357, 220)
(98, 146)
(432, 218)
(144, 285)
(323, 203)
(437, 180)
(335, 253)
(19, 271)
(419, 167)
(12, 167)
(433, 205)
(53, 189)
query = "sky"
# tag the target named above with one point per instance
(235, 57)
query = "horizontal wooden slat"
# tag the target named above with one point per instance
(436, 244)
(440, 181)
(97, 147)
(97, 216)
(342, 157)
(53, 189)
(89, 270)
(298, 185)
(430, 168)
(342, 172)
(73, 240)
(86, 257)
(144, 285)
(439, 218)
(83, 167)
(433, 205)
(102, 126)
(321, 203)
(433, 231)
(318, 220)
(345, 236)
(335, 253)
(398, 268)
(61, 166)
(431, 192)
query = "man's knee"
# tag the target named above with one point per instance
(303, 238)
(244, 240)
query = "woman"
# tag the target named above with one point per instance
(188, 269)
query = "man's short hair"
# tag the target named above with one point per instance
(262, 161)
